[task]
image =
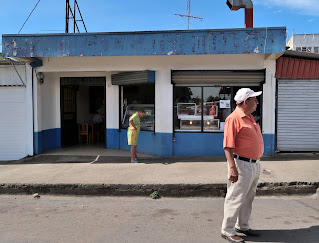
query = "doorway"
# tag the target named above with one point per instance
(82, 106)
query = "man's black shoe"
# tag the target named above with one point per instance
(249, 232)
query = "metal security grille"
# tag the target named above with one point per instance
(132, 78)
(220, 78)
(298, 115)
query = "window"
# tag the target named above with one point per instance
(308, 49)
(304, 49)
(205, 109)
(316, 49)
(298, 48)
(138, 97)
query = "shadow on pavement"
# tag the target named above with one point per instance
(294, 235)
(58, 159)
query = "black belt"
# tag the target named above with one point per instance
(236, 156)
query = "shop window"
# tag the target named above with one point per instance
(135, 98)
(205, 109)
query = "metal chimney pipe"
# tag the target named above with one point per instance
(249, 13)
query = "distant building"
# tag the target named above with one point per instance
(304, 43)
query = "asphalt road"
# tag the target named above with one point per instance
(110, 219)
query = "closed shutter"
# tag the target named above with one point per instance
(218, 78)
(132, 78)
(298, 115)
(13, 127)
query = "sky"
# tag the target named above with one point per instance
(298, 16)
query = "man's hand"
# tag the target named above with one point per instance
(233, 174)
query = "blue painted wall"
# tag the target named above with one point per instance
(269, 141)
(198, 144)
(185, 42)
(185, 144)
(47, 139)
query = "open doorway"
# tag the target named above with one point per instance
(83, 111)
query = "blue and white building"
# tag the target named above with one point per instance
(173, 75)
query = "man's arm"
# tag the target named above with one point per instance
(233, 173)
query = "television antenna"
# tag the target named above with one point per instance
(188, 15)
(68, 11)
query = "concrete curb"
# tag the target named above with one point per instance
(166, 190)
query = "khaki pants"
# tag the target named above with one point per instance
(239, 197)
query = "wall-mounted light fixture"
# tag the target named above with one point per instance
(40, 77)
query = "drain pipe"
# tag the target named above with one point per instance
(248, 5)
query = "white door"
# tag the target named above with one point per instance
(298, 115)
(13, 123)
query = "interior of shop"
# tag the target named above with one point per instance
(205, 109)
(136, 98)
(82, 113)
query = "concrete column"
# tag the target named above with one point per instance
(112, 113)
(163, 113)
(163, 102)
(269, 106)
(29, 110)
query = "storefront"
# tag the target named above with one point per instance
(297, 117)
(184, 80)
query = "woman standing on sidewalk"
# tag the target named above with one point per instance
(133, 132)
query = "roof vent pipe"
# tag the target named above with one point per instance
(248, 5)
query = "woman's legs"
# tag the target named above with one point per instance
(133, 153)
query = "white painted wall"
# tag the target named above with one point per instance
(110, 64)
(269, 98)
(111, 104)
(303, 40)
(163, 101)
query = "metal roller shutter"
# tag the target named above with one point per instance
(221, 78)
(13, 133)
(298, 115)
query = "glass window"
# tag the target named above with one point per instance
(135, 98)
(308, 49)
(216, 107)
(316, 49)
(298, 48)
(187, 108)
(205, 109)
(304, 49)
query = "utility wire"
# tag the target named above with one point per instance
(29, 16)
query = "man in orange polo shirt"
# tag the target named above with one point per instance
(243, 145)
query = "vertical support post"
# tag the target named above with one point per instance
(74, 20)
(67, 16)
(249, 18)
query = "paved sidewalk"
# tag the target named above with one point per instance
(112, 174)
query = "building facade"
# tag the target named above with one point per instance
(297, 116)
(304, 43)
(185, 81)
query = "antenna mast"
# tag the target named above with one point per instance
(68, 11)
(188, 15)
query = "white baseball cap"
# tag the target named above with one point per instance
(245, 93)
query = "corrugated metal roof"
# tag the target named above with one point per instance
(297, 68)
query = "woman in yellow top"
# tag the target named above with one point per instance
(133, 132)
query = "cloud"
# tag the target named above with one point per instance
(306, 7)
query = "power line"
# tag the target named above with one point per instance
(29, 16)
